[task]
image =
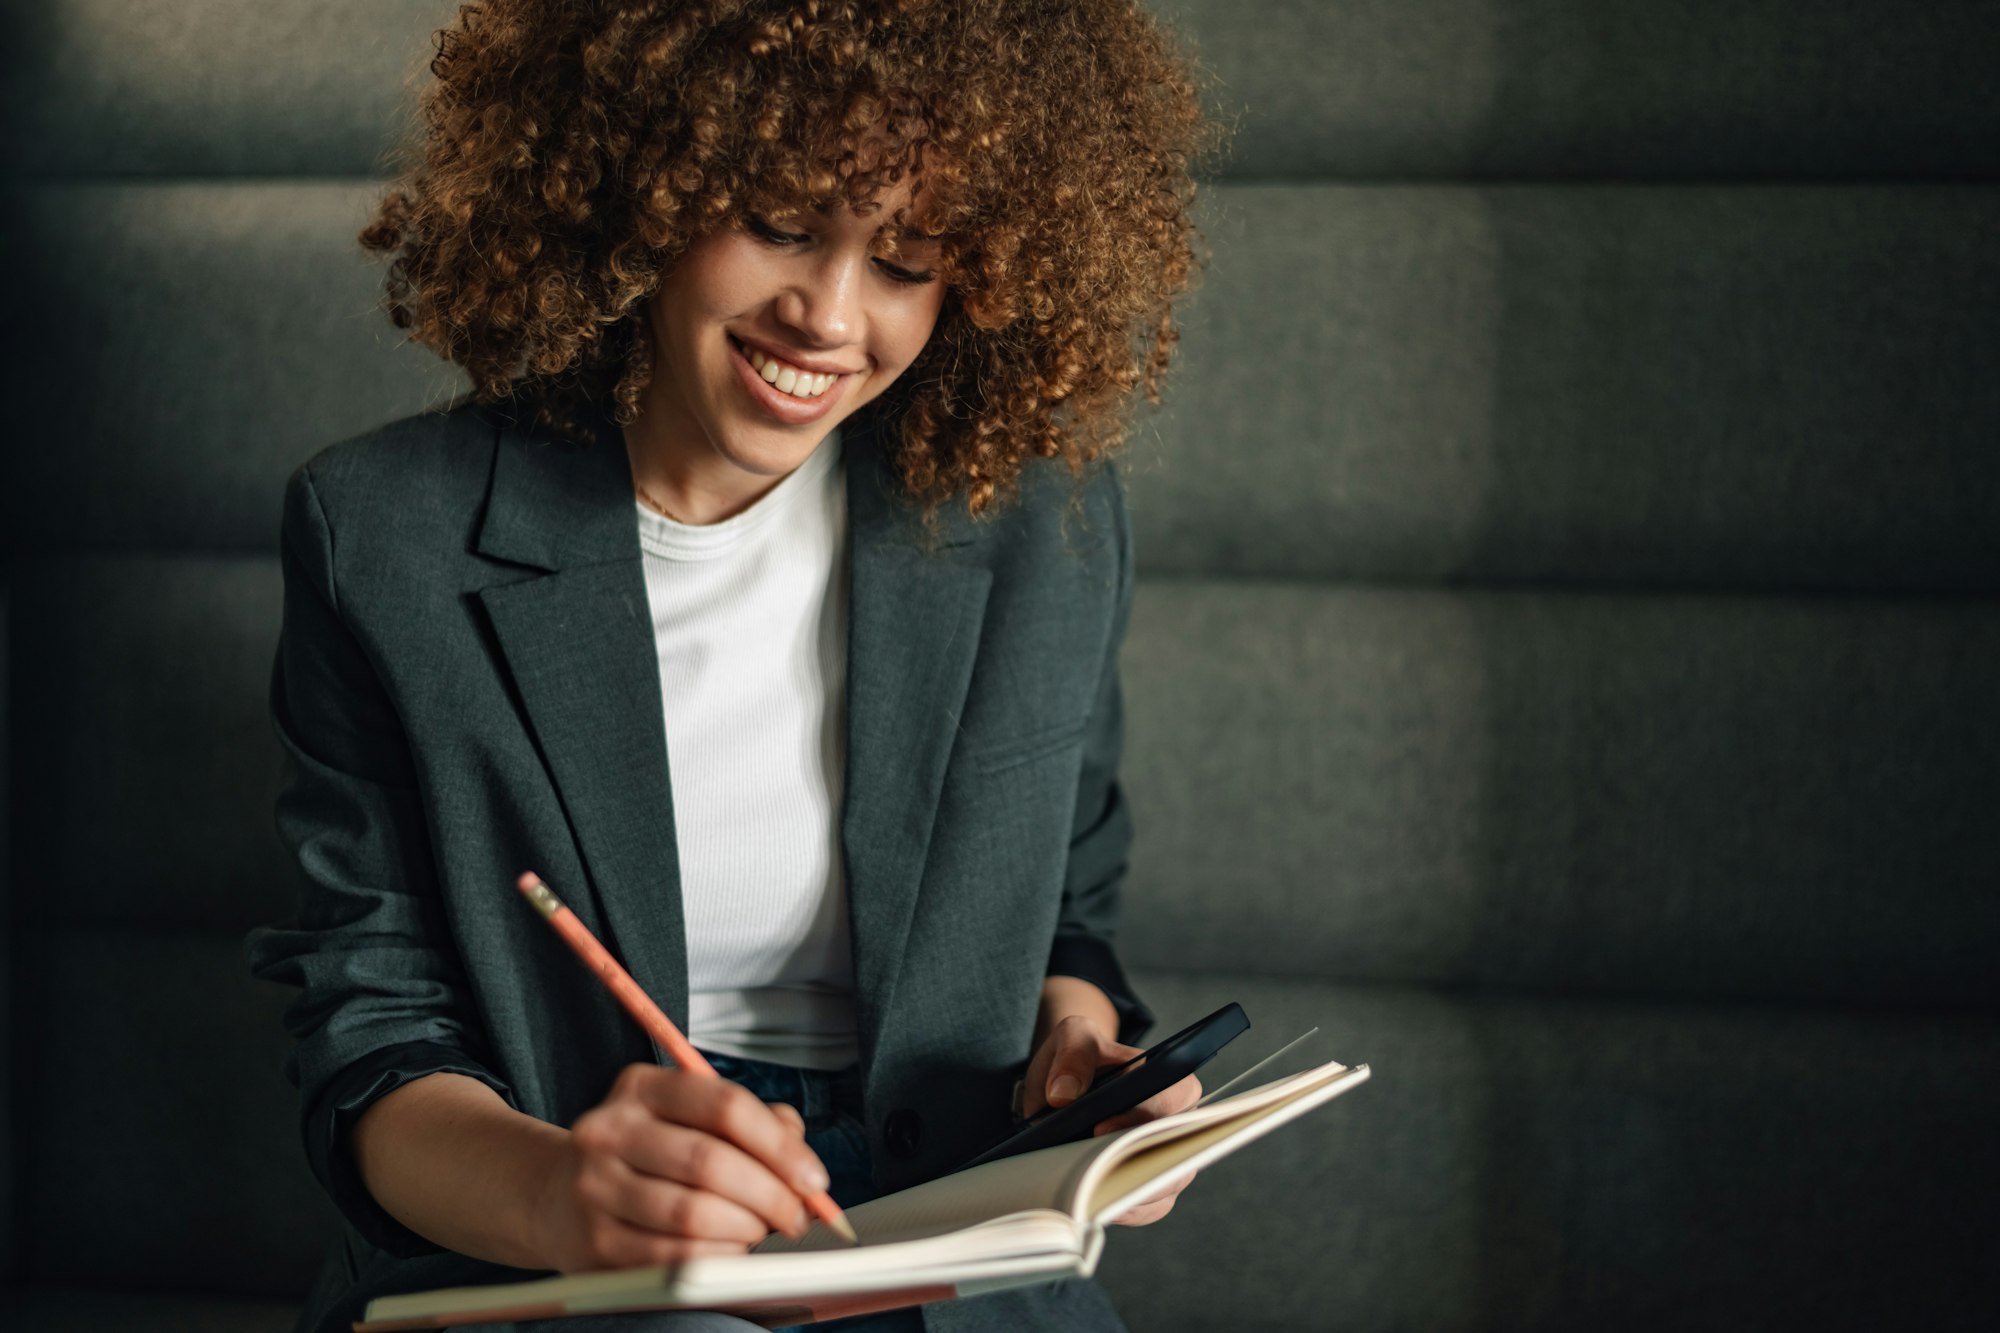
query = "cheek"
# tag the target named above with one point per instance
(913, 330)
(718, 275)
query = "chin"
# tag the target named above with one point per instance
(772, 455)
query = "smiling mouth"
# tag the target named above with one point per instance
(786, 378)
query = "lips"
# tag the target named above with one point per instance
(786, 377)
(776, 403)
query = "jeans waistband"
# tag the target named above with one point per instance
(820, 1095)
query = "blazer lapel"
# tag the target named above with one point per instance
(913, 633)
(578, 642)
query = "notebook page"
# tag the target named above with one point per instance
(1013, 1185)
(1024, 1243)
(1057, 1178)
(1020, 1246)
(1138, 1174)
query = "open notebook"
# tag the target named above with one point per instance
(1025, 1219)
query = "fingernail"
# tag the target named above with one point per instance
(1064, 1089)
(813, 1179)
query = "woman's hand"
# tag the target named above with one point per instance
(1073, 1041)
(669, 1166)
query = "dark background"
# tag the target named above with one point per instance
(1563, 667)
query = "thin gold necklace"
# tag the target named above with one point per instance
(654, 504)
(651, 501)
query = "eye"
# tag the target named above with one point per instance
(897, 273)
(765, 231)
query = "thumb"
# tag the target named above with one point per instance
(1074, 1064)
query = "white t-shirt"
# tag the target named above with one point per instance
(750, 622)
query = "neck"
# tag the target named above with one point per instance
(695, 486)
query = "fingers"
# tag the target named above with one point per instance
(721, 1191)
(790, 1116)
(670, 1159)
(1031, 1097)
(731, 1112)
(691, 1210)
(1155, 1207)
(1069, 1057)
(611, 1243)
(1178, 1097)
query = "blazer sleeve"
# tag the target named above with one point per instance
(1101, 836)
(383, 999)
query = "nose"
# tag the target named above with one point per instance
(824, 302)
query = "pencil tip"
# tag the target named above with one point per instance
(843, 1228)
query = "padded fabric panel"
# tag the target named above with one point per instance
(212, 337)
(142, 713)
(1672, 795)
(1522, 1164)
(1364, 87)
(1604, 88)
(163, 1132)
(1547, 790)
(7, 749)
(81, 1310)
(206, 87)
(1763, 387)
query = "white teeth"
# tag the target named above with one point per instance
(789, 379)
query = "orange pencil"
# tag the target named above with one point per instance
(640, 1005)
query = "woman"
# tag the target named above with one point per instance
(765, 597)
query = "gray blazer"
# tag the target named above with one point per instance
(466, 686)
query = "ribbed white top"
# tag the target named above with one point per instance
(750, 619)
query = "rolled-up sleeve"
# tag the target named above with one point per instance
(1101, 840)
(382, 997)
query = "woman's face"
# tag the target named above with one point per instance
(806, 300)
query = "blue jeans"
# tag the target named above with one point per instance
(831, 1105)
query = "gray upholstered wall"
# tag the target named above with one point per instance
(1562, 667)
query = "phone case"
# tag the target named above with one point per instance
(1117, 1090)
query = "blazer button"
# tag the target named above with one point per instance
(903, 1133)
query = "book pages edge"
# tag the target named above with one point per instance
(1228, 1136)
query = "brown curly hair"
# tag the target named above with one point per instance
(571, 150)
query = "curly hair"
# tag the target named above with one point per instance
(571, 150)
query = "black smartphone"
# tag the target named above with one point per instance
(1119, 1088)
